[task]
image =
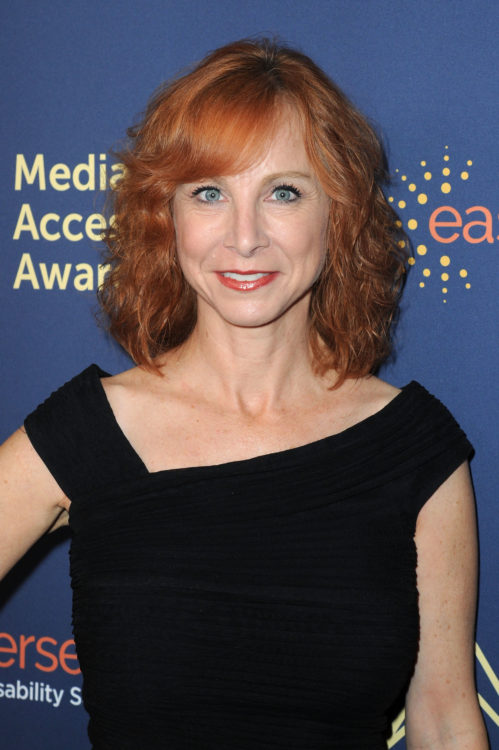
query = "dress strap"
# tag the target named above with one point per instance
(78, 438)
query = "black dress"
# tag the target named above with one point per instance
(258, 604)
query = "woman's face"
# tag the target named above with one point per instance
(251, 245)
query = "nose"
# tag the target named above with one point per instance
(245, 233)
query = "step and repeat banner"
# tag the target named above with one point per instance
(75, 76)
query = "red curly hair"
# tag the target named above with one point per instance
(216, 120)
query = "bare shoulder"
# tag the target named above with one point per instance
(356, 400)
(376, 391)
(127, 380)
(367, 396)
(142, 402)
(146, 405)
(127, 389)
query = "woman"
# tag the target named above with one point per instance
(247, 503)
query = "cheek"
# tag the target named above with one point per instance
(194, 235)
(183, 248)
(187, 241)
(323, 223)
(321, 261)
(313, 239)
(193, 254)
(185, 226)
(319, 246)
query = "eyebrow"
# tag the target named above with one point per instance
(274, 177)
(292, 174)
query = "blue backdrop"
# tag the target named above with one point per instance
(76, 74)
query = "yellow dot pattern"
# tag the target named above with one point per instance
(422, 198)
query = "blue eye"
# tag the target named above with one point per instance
(208, 193)
(286, 193)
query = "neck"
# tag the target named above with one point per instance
(254, 371)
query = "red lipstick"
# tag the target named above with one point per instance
(245, 281)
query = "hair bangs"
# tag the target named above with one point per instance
(223, 135)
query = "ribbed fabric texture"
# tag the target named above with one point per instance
(259, 604)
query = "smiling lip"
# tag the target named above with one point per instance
(245, 281)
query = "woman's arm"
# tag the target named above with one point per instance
(31, 501)
(442, 710)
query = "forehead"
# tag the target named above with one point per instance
(228, 143)
(287, 139)
(282, 150)
(284, 153)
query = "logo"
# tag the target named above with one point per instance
(53, 233)
(50, 658)
(441, 231)
(44, 653)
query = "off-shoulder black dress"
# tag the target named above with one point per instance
(259, 604)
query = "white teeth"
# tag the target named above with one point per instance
(243, 276)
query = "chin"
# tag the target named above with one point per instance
(257, 314)
(256, 321)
